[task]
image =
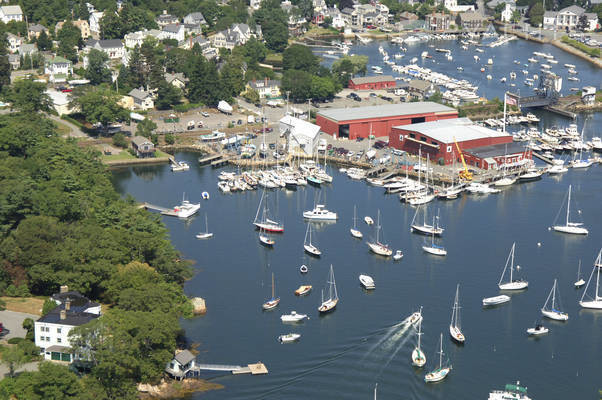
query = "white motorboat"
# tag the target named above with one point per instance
(442, 371)
(333, 298)
(480, 188)
(594, 301)
(186, 209)
(425, 228)
(510, 392)
(179, 166)
(580, 282)
(354, 231)
(537, 330)
(454, 326)
(303, 290)
(557, 169)
(505, 181)
(551, 308)
(223, 186)
(289, 338)
(575, 228)
(320, 213)
(377, 247)
(531, 174)
(493, 301)
(273, 301)
(512, 284)
(418, 356)
(398, 255)
(415, 318)
(367, 282)
(206, 234)
(368, 220)
(264, 222)
(308, 246)
(293, 317)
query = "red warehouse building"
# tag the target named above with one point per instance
(379, 120)
(482, 147)
(372, 82)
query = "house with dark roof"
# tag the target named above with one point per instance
(51, 331)
(420, 89)
(143, 147)
(142, 99)
(173, 31)
(472, 20)
(166, 19)
(35, 30)
(182, 365)
(195, 18)
(178, 79)
(112, 47)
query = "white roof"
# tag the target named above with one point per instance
(445, 130)
(299, 127)
(11, 10)
(58, 98)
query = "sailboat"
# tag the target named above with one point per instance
(206, 234)
(512, 284)
(574, 228)
(308, 246)
(596, 300)
(273, 302)
(265, 239)
(454, 327)
(433, 248)
(418, 357)
(425, 228)
(265, 222)
(333, 298)
(580, 282)
(442, 371)
(552, 310)
(581, 163)
(354, 231)
(377, 247)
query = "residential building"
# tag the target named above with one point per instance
(143, 147)
(568, 18)
(11, 13)
(134, 39)
(113, 48)
(81, 24)
(182, 365)
(57, 66)
(338, 21)
(178, 79)
(302, 136)
(195, 18)
(452, 6)
(420, 89)
(372, 82)
(60, 101)
(142, 99)
(166, 19)
(588, 95)
(28, 49)
(472, 20)
(193, 40)
(174, 31)
(51, 332)
(14, 60)
(507, 12)
(35, 30)
(236, 35)
(94, 21)
(193, 29)
(14, 42)
(437, 22)
(267, 88)
(407, 16)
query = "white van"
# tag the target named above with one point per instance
(322, 145)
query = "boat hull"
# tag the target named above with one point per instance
(494, 301)
(204, 235)
(537, 332)
(555, 315)
(271, 304)
(456, 334)
(418, 358)
(436, 251)
(426, 230)
(593, 304)
(514, 285)
(437, 375)
(356, 234)
(311, 250)
(303, 290)
(325, 217)
(574, 230)
(367, 282)
(380, 250)
(328, 306)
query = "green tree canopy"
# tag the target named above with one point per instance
(70, 39)
(98, 105)
(167, 95)
(274, 24)
(300, 57)
(98, 71)
(29, 97)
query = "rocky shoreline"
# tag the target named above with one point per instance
(175, 389)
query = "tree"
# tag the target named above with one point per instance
(167, 95)
(28, 325)
(146, 64)
(70, 38)
(583, 24)
(516, 16)
(44, 42)
(300, 57)
(119, 140)
(536, 14)
(13, 357)
(98, 105)
(145, 128)
(298, 83)
(28, 96)
(97, 71)
(201, 85)
(48, 306)
(231, 78)
(274, 24)
(5, 67)
(346, 67)
(252, 96)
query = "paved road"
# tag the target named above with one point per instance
(75, 131)
(13, 322)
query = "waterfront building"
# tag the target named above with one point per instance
(472, 21)
(372, 82)
(378, 120)
(588, 95)
(143, 147)
(568, 18)
(452, 6)
(437, 22)
(302, 136)
(482, 147)
(182, 365)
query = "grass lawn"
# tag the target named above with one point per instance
(124, 155)
(30, 305)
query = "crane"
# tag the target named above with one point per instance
(465, 174)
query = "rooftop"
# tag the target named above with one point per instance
(184, 357)
(372, 79)
(384, 111)
(497, 150)
(140, 140)
(72, 318)
(11, 10)
(445, 130)
(138, 94)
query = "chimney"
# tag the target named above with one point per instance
(64, 289)
(265, 81)
(63, 314)
(164, 12)
(67, 305)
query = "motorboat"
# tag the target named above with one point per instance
(377, 247)
(367, 282)
(551, 308)
(308, 246)
(289, 338)
(505, 181)
(333, 298)
(273, 301)
(480, 188)
(186, 209)
(537, 330)
(415, 318)
(511, 284)
(223, 186)
(440, 372)
(293, 317)
(593, 301)
(454, 326)
(206, 234)
(368, 220)
(320, 213)
(312, 180)
(531, 174)
(557, 169)
(398, 255)
(575, 228)
(493, 301)
(418, 357)
(510, 392)
(179, 166)
(303, 290)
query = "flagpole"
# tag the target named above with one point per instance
(504, 113)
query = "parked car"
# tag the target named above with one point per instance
(272, 146)
(239, 122)
(357, 98)
(372, 94)
(397, 152)
(205, 114)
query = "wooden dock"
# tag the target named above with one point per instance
(164, 211)
(220, 161)
(209, 159)
(542, 157)
(376, 170)
(258, 368)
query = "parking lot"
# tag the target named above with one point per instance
(12, 322)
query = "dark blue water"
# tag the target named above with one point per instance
(339, 355)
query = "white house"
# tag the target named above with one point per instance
(94, 21)
(302, 135)
(182, 365)
(568, 18)
(255, 4)
(60, 101)
(112, 47)
(11, 13)
(134, 39)
(142, 99)
(173, 31)
(266, 88)
(58, 68)
(51, 331)
(195, 18)
(452, 5)
(507, 12)
(14, 42)
(178, 79)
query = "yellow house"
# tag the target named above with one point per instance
(267, 88)
(126, 102)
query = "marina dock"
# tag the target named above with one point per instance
(258, 368)
(209, 159)
(164, 211)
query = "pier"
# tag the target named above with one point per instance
(258, 368)
(376, 170)
(164, 211)
(209, 159)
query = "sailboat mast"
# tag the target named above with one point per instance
(568, 206)
(419, 333)
(377, 226)
(272, 285)
(554, 296)
(440, 351)
(512, 262)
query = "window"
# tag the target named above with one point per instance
(449, 149)
(47, 329)
(48, 338)
(423, 139)
(435, 143)
(58, 340)
(413, 136)
(401, 138)
(58, 330)
(42, 328)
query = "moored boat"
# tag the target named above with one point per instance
(367, 282)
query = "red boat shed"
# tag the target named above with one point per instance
(482, 147)
(379, 120)
(372, 82)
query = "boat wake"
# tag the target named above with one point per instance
(390, 338)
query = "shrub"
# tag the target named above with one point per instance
(169, 138)
(48, 306)
(119, 140)
(15, 340)
(17, 291)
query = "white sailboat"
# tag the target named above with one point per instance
(434, 249)
(418, 357)
(575, 228)
(377, 247)
(440, 372)
(308, 246)
(273, 301)
(354, 231)
(265, 222)
(580, 282)
(594, 301)
(333, 298)
(552, 309)
(425, 228)
(454, 326)
(265, 239)
(512, 284)
(206, 234)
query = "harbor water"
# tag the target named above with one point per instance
(343, 354)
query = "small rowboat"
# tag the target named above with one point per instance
(303, 269)
(303, 290)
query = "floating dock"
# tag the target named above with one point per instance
(164, 211)
(209, 159)
(258, 368)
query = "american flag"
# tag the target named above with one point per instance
(510, 100)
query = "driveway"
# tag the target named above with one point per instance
(13, 323)
(33, 366)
